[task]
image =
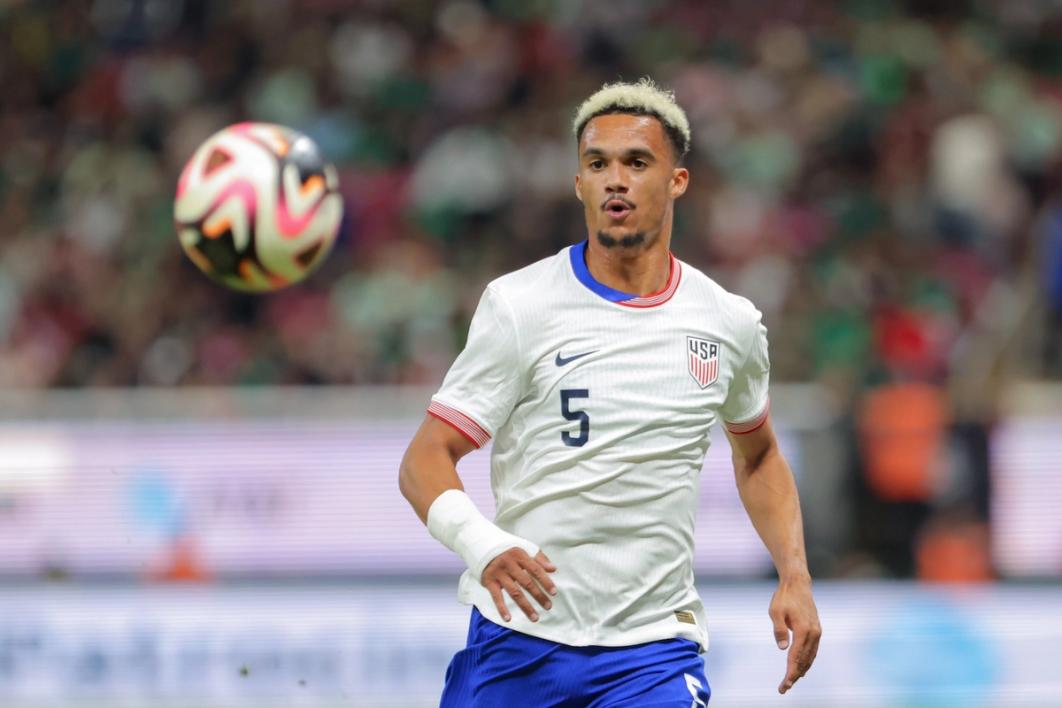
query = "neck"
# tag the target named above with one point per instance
(642, 270)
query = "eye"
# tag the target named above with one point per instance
(597, 164)
(639, 164)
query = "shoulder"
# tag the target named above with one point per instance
(732, 308)
(527, 286)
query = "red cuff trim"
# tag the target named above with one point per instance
(751, 425)
(460, 422)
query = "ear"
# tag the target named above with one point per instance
(680, 180)
(578, 189)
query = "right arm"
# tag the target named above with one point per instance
(428, 470)
(429, 466)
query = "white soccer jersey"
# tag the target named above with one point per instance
(600, 405)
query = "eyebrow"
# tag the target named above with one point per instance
(628, 154)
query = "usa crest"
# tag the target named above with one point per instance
(703, 359)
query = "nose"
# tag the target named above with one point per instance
(616, 179)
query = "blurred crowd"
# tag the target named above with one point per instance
(882, 178)
(883, 183)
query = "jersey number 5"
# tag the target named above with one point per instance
(567, 394)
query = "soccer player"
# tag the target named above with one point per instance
(598, 373)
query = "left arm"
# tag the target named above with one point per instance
(768, 491)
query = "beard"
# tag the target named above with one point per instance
(628, 241)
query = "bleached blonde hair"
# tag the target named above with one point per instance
(642, 98)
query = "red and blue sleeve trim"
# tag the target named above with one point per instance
(749, 425)
(459, 422)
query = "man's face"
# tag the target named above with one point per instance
(627, 179)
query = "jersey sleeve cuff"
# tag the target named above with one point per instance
(460, 422)
(750, 425)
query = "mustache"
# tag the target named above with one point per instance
(618, 198)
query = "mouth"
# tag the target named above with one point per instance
(618, 209)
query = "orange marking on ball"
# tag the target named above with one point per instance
(199, 259)
(218, 158)
(311, 185)
(217, 229)
(281, 143)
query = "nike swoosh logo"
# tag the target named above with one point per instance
(561, 361)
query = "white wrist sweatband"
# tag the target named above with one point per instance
(456, 522)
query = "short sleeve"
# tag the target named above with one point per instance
(483, 384)
(747, 402)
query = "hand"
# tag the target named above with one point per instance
(792, 608)
(514, 569)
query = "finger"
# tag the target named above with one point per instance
(499, 601)
(489, 568)
(781, 632)
(518, 597)
(816, 635)
(811, 650)
(796, 661)
(527, 581)
(790, 665)
(539, 572)
(545, 561)
(803, 661)
(790, 672)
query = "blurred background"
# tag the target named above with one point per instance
(198, 488)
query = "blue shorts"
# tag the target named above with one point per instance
(500, 667)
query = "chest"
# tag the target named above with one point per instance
(625, 369)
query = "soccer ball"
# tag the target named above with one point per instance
(257, 207)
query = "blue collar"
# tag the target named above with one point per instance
(582, 273)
